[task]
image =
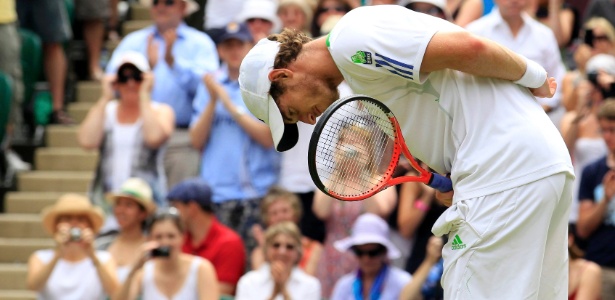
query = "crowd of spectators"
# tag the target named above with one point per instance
(191, 201)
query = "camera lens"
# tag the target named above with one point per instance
(75, 234)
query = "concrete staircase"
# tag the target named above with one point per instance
(60, 167)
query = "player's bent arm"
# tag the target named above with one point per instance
(466, 52)
(591, 215)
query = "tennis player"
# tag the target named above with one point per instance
(466, 109)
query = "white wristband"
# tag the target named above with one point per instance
(534, 76)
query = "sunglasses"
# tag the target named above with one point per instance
(125, 75)
(166, 2)
(603, 38)
(332, 9)
(431, 11)
(371, 253)
(289, 247)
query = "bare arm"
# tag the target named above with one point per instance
(412, 290)
(382, 203)
(312, 264)
(591, 214)
(91, 130)
(208, 287)
(38, 273)
(469, 53)
(470, 10)
(410, 215)
(158, 124)
(131, 287)
(591, 283)
(107, 274)
(322, 205)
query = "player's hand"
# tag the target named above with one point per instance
(445, 199)
(547, 90)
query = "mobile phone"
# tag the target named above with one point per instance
(588, 38)
(162, 251)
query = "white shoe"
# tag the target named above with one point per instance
(16, 163)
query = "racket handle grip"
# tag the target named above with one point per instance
(440, 183)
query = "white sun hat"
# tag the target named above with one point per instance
(369, 229)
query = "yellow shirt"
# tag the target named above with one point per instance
(8, 14)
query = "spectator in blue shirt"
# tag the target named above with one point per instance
(238, 159)
(178, 56)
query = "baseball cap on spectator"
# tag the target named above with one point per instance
(368, 229)
(131, 57)
(254, 84)
(605, 62)
(233, 30)
(260, 9)
(192, 190)
(191, 6)
(138, 190)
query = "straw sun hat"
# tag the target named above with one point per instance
(138, 190)
(72, 204)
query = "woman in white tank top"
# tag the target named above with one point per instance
(164, 272)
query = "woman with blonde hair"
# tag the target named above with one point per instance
(73, 269)
(279, 277)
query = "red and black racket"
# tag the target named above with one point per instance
(354, 150)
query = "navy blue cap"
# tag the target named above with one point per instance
(234, 30)
(191, 190)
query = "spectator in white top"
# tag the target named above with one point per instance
(279, 278)
(261, 17)
(512, 27)
(73, 269)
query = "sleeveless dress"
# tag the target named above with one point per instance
(187, 292)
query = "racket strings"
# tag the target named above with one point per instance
(355, 149)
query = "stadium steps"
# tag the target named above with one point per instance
(60, 167)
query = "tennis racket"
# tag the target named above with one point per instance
(355, 147)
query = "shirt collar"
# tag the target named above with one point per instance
(182, 30)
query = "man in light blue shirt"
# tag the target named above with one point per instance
(179, 57)
(238, 159)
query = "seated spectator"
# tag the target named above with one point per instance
(132, 204)
(296, 14)
(419, 287)
(463, 12)
(178, 55)
(73, 269)
(129, 130)
(261, 17)
(584, 277)
(163, 271)
(278, 206)
(241, 173)
(279, 278)
(205, 236)
(375, 277)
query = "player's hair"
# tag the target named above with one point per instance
(607, 110)
(291, 42)
(279, 194)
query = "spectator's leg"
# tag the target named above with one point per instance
(93, 32)
(10, 64)
(51, 22)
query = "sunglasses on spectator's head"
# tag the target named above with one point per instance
(166, 2)
(289, 247)
(129, 72)
(332, 9)
(371, 253)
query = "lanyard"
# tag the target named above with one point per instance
(375, 291)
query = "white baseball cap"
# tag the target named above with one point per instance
(134, 58)
(254, 84)
(262, 9)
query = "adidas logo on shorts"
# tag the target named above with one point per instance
(458, 243)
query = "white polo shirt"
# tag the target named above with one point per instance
(534, 41)
(490, 134)
(258, 285)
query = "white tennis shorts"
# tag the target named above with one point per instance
(509, 245)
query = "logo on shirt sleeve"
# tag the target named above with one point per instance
(362, 57)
